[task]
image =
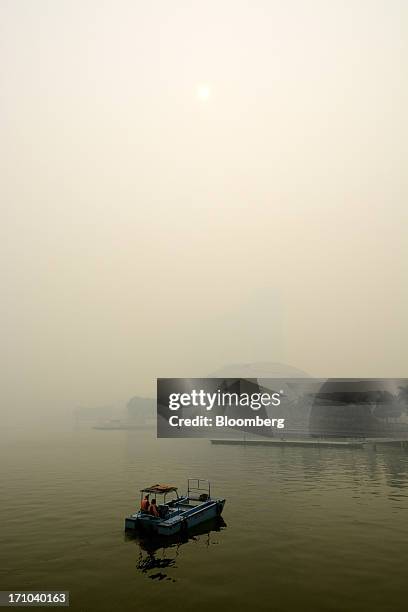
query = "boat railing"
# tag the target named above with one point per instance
(195, 485)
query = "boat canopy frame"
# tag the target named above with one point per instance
(198, 489)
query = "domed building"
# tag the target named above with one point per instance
(358, 408)
(342, 408)
(278, 377)
(261, 369)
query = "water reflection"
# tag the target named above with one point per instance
(381, 465)
(159, 554)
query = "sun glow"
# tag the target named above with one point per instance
(203, 92)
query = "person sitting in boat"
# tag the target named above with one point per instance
(144, 506)
(154, 509)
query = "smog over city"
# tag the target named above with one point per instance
(204, 266)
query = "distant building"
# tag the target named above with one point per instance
(141, 411)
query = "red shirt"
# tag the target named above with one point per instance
(153, 510)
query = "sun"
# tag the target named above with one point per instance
(203, 92)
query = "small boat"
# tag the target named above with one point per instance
(109, 424)
(177, 513)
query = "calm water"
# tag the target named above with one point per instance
(306, 529)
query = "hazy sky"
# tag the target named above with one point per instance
(147, 231)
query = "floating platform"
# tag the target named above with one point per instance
(310, 443)
(299, 443)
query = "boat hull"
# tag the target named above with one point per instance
(176, 524)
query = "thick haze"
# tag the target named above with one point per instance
(149, 232)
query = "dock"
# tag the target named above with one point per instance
(298, 443)
(370, 443)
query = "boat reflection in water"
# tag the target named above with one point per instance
(158, 554)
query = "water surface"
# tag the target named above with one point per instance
(305, 529)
